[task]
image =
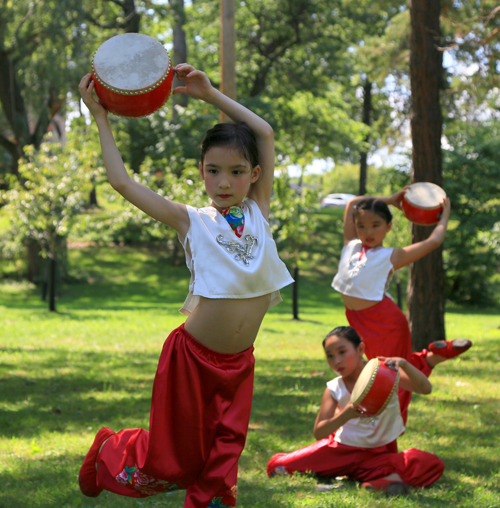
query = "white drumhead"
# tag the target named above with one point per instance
(425, 195)
(364, 381)
(131, 61)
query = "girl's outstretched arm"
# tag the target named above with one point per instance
(411, 253)
(327, 422)
(171, 213)
(198, 86)
(349, 225)
(411, 378)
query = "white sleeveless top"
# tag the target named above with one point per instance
(364, 275)
(225, 266)
(367, 432)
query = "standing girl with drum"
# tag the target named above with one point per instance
(203, 386)
(350, 444)
(365, 270)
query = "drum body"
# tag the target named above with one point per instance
(422, 203)
(132, 75)
(374, 388)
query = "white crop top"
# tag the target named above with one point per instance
(367, 432)
(225, 266)
(364, 275)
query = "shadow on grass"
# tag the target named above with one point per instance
(73, 390)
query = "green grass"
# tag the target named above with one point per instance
(64, 375)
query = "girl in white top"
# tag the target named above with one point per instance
(350, 444)
(365, 270)
(203, 387)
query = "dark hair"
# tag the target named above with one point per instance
(375, 205)
(234, 135)
(346, 332)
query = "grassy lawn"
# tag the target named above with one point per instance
(64, 375)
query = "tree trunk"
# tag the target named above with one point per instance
(179, 53)
(34, 261)
(93, 197)
(132, 20)
(363, 158)
(52, 283)
(227, 51)
(425, 296)
(295, 293)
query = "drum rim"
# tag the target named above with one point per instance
(420, 207)
(369, 386)
(140, 91)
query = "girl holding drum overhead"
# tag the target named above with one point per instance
(349, 444)
(365, 270)
(203, 387)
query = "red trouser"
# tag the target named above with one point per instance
(199, 419)
(329, 458)
(385, 332)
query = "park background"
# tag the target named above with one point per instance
(90, 287)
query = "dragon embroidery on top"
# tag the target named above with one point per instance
(243, 252)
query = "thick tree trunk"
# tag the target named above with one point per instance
(425, 297)
(367, 113)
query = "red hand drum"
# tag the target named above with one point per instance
(374, 388)
(422, 203)
(132, 74)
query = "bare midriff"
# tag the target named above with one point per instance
(353, 303)
(227, 326)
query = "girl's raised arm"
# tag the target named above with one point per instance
(327, 422)
(198, 85)
(411, 253)
(171, 213)
(411, 378)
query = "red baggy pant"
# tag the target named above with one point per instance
(385, 332)
(327, 457)
(199, 419)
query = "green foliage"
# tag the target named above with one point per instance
(126, 224)
(317, 127)
(44, 207)
(342, 178)
(292, 217)
(472, 182)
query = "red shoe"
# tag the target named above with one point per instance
(88, 472)
(450, 349)
(390, 487)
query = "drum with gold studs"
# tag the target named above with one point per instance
(374, 388)
(422, 203)
(132, 74)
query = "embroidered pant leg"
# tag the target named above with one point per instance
(190, 394)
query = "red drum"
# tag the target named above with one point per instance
(422, 203)
(132, 74)
(374, 388)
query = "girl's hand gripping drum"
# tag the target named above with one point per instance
(132, 75)
(422, 203)
(374, 388)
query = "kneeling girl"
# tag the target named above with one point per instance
(351, 445)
